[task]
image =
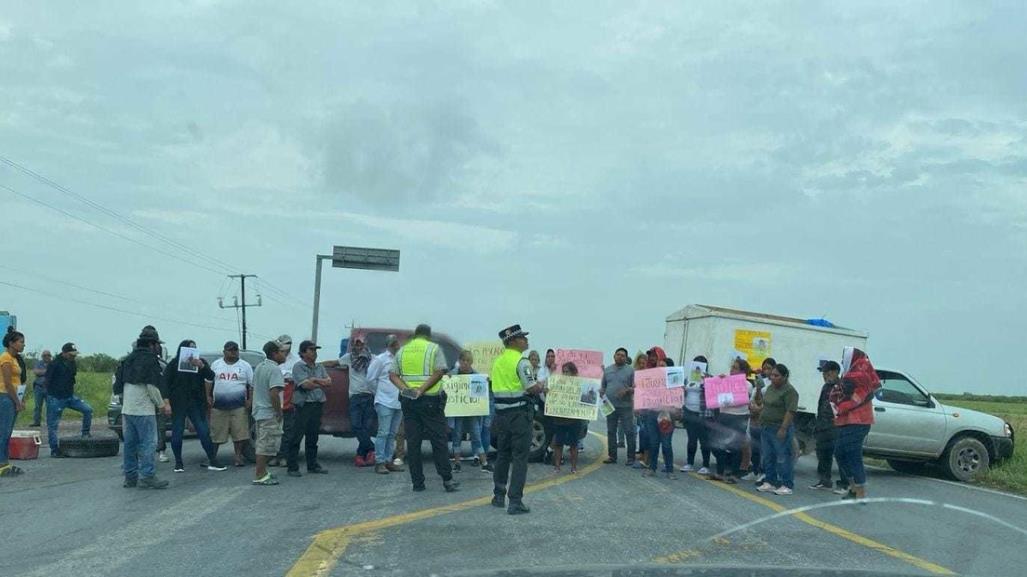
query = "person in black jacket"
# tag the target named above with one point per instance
(60, 395)
(138, 381)
(184, 384)
(824, 431)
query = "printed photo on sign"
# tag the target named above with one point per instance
(589, 392)
(607, 407)
(675, 377)
(185, 360)
(696, 373)
(479, 387)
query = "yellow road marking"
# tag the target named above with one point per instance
(830, 528)
(330, 545)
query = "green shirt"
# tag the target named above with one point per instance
(777, 402)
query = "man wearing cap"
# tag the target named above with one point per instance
(60, 395)
(387, 407)
(512, 380)
(309, 399)
(417, 371)
(229, 396)
(268, 385)
(356, 363)
(284, 343)
(39, 385)
(824, 432)
(138, 381)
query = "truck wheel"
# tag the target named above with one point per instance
(909, 467)
(965, 459)
(540, 439)
(88, 447)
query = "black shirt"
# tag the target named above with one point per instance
(60, 378)
(186, 389)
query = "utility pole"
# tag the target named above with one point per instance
(242, 281)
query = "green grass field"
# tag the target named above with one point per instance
(1011, 474)
(93, 388)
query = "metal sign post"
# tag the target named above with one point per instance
(352, 257)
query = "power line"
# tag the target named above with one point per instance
(107, 230)
(99, 292)
(115, 309)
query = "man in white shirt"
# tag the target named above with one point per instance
(288, 410)
(387, 406)
(229, 398)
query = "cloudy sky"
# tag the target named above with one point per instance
(584, 169)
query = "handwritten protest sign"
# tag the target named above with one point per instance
(754, 345)
(466, 395)
(485, 354)
(651, 390)
(589, 363)
(729, 391)
(572, 397)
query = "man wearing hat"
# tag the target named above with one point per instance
(512, 380)
(284, 343)
(824, 432)
(60, 395)
(417, 371)
(138, 380)
(309, 399)
(229, 397)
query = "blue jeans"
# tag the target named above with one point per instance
(457, 426)
(37, 409)
(198, 416)
(388, 423)
(361, 417)
(657, 440)
(7, 416)
(778, 461)
(848, 450)
(486, 427)
(140, 432)
(55, 407)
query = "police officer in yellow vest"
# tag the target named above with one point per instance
(416, 372)
(512, 380)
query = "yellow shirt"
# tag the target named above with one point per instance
(7, 359)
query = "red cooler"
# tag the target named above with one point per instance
(24, 445)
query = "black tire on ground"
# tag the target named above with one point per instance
(89, 447)
(541, 437)
(910, 467)
(965, 459)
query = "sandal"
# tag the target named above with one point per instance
(10, 470)
(266, 481)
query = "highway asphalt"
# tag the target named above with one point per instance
(72, 517)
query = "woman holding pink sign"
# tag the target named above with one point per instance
(728, 431)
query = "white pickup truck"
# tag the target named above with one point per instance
(911, 426)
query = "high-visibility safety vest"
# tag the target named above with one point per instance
(506, 385)
(417, 363)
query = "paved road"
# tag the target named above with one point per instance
(71, 517)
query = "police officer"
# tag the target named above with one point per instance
(416, 372)
(512, 380)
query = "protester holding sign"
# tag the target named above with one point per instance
(617, 385)
(727, 437)
(566, 431)
(472, 425)
(697, 417)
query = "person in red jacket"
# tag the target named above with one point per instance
(852, 399)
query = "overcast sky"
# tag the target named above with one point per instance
(584, 170)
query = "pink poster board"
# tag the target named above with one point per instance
(651, 391)
(589, 363)
(729, 391)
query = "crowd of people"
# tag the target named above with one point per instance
(399, 390)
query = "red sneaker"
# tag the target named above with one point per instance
(369, 460)
(359, 461)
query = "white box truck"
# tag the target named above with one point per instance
(912, 427)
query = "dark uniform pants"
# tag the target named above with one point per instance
(306, 424)
(513, 440)
(424, 419)
(825, 441)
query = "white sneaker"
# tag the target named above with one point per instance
(704, 471)
(686, 468)
(782, 490)
(749, 477)
(397, 462)
(162, 457)
(766, 488)
(761, 478)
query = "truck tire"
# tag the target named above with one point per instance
(88, 447)
(541, 437)
(908, 467)
(965, 459)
